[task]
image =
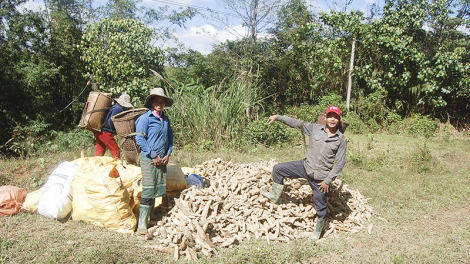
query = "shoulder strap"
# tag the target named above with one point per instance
(303, 134)
(137, 133)
(342, 141)
(340, 144)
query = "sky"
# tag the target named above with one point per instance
(200, 33)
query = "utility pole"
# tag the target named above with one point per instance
(351, 66)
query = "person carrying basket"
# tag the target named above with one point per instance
(105, 138)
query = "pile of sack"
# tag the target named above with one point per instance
(97, 190)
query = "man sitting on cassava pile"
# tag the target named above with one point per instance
(326, 156)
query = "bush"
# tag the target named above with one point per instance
(422, 126)
(77, 138)
(26, 139)
(446, 131)
(260, 132)
(332, 99)
(310, 113)
(421, 159)
(373, 108)
(394, 124)
(305, 112)
(34, 139)
(356, 125)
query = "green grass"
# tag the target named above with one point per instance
(421, 188)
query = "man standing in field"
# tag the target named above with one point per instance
(326, 156)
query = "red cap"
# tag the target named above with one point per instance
(333, 109)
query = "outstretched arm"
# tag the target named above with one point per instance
(271, 119)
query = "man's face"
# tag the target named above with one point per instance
(158, 102)
(332, 119)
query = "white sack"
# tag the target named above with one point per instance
(56, 198)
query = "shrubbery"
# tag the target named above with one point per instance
(210, 119)
(260, 132)
(35, 138)
(422, 126)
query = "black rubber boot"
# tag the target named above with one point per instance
(153, 217)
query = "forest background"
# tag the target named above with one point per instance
(411, 70)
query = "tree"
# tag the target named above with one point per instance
(40, 65)
(162, 18)
(418, 68)
(256, 15)
(121, 9)
(119, 55)
(285, 75)
(66, 20)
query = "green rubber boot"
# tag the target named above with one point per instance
(276, 191)
(318, 230)
(143, 219)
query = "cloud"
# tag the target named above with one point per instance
(464, 29)
(369, 2)
(179, 3)
(31, 5)
(166, 2)
(203, 38)
(360, 5)
(319, 6)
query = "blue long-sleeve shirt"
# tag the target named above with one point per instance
(108, 122)
(159, 140)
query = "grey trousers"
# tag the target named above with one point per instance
(295, 169)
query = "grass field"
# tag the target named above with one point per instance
(422, 188)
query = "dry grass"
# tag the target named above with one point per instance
(422, 190)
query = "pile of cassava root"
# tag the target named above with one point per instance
(231, 210)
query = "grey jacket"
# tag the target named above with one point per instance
(325, 156)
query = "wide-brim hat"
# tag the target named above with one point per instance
(124, 100)
(158, 92)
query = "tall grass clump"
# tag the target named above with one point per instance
(210, 117)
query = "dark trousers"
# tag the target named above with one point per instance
(146, 201)
(295, 169)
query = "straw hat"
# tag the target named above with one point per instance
(158, 91)
(124, 100)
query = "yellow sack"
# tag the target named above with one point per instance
(31, 202)
(174, 177)
(100, 197)
(131, 177)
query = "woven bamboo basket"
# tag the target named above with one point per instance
(124, 123)
(130, 151)
(95, 111)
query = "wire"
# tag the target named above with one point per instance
(169, 2)
(76, 97)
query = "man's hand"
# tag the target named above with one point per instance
(271, 119)
(324, 188)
